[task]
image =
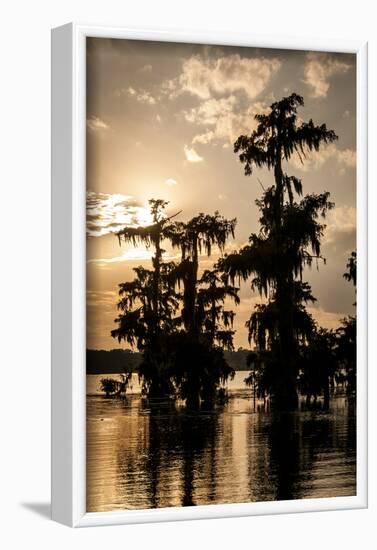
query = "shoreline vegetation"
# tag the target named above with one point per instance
(120, 361)
(176, 315)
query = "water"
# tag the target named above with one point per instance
(140, 456)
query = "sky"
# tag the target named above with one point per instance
(161, 122)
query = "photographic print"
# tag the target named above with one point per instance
(221, 271)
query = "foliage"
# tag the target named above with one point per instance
(346, 353)
(289, 239)
(148, 304)
(113, 387)
(171, 308)
(277, 137)
(206, 325)
(318, 365)
(350, 274)
(347, 336)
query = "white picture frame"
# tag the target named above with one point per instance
(68, 277)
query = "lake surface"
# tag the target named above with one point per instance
(145, 456)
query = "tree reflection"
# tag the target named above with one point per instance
(285, 449)
(198, 434)
(169, 456)
(180, 447)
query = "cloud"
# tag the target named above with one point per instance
(223, 85)
(340, 225)
(204, 77)
(319, 68)
(94, 123)
(191, 154)
(133, 255)
(145, 97)
(140, 95)
(209, 111)
(345, 158)
(223, 119)
(326, 319)
(171, 182)
(106, 213)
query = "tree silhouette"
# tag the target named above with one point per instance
(290, 234)
(318, 365)
(148, 304)
(215, 321)
(198, 235)
(181, 335)
(140, 326)
(197, 349)
(347, 336)
(346, 352)
(114, 387)
(350, 274)
(263, 327)
(151, 235)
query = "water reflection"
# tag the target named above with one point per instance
(146, 456)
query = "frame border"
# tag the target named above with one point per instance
(68, 451)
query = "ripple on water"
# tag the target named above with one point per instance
(140, 457)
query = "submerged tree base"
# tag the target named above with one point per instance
(285, 400)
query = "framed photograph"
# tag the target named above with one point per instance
(209, 283)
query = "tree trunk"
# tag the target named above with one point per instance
(285, 395)
(326, 393)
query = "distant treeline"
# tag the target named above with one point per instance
(120, 361)
(112, 362)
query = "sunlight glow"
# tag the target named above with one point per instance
(110, 213)
(134, 255)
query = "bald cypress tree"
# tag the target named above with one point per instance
(147, 305)
(175, 315)
(289, 238)
(206, 324)
(347, 335)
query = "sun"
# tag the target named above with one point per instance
(144, 216)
